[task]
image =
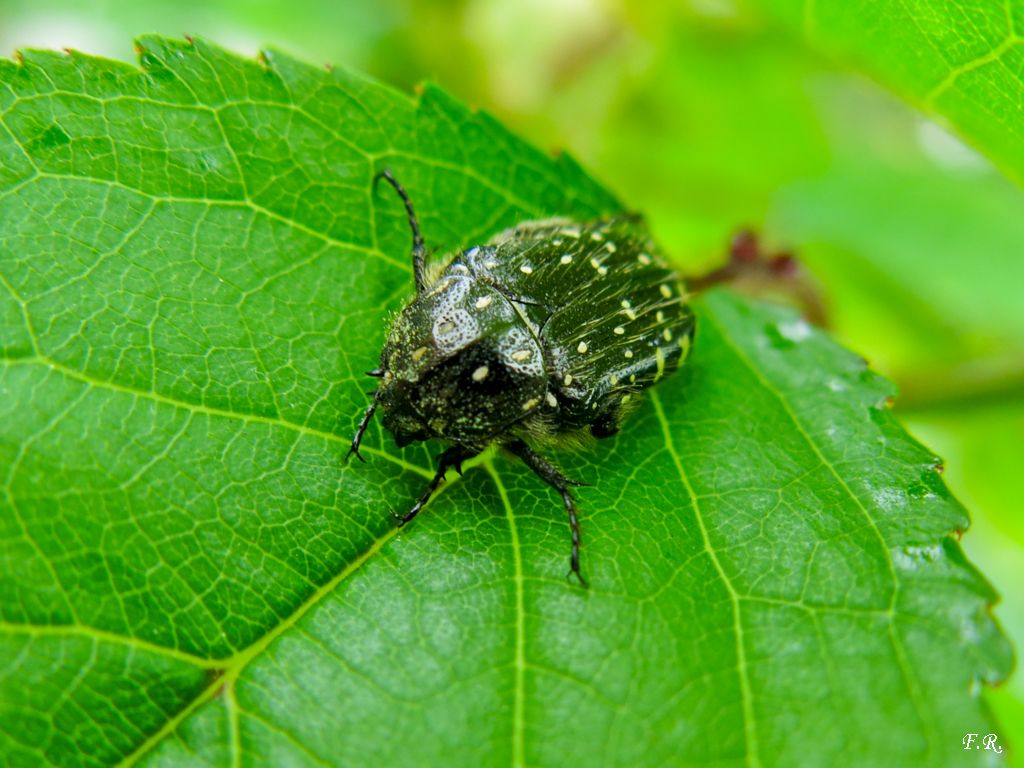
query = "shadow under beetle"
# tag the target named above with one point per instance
(545, 335)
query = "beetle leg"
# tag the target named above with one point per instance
(363, 424)
(547, 472)
(452, 458)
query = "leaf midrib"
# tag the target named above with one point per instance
(234, 665)
(519, 687)
(749, 722)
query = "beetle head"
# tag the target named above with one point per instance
(459, 364)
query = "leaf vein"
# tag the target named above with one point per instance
(749, 723)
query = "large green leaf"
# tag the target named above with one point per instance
(195, 268)
(960, 60)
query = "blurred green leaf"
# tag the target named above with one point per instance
(726, 124)
(195, 267)
(962, 61)
(703, 135)
(924, 268)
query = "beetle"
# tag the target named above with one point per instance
(547, 334)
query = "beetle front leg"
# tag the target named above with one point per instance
(363, 424)
(452, 458)
(547, 472)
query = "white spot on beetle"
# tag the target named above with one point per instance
(629, 353)
(570, 232)
(659, 358)
(660, 316)
(644, 259)
(665, 291)
(630, 313)
(610, 247)
(632, 378)
(483, 302)
(518, 348)
(597, 237)
(526, 269)
(491, 264)
(481, 373)
(614, 380)
(595, 263)
(550, 399)
(602, 271)
(532, 403)
(566, 259)
(567, 380)
(419, 353)
(666, 335)
(582, 347)
(626, 398)
(619, 330)
(625, 304)
(455, 327)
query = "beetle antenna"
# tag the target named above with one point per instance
(419, 252)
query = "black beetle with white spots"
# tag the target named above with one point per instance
(546, 334)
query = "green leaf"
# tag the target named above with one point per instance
(195, 267)
(962, 61)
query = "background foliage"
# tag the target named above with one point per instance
(710, 115)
